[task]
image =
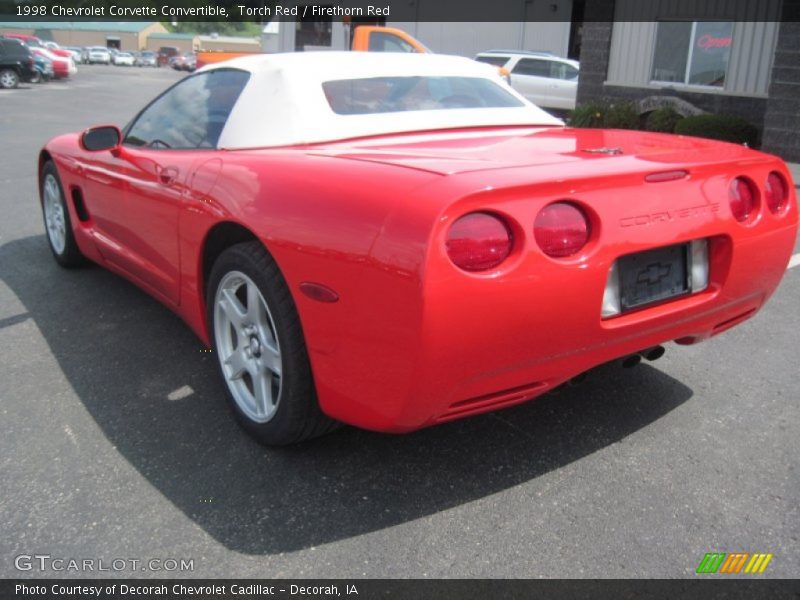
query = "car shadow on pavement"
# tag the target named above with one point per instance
(129, 359)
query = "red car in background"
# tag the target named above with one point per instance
(34, 42)
(398, 240)
(63, 67)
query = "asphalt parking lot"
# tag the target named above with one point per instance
(116, 442)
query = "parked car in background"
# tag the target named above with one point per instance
(165, 53)
(62, 51)
(98, 55)
(16, 64)
(146, 58)
(44, 68)
(77, 53)
(543, 78)
(177, 62)
(123, 59)
(190, 64)
(63, 67)
(34, 42)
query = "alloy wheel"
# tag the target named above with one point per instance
(54, 214)
(247, 346)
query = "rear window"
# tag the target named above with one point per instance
(404, 94)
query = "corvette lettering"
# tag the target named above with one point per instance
(668, 216)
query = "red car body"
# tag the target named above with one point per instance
(413, 340)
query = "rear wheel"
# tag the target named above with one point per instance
(8, 79)
(260, 348)
(57, 222)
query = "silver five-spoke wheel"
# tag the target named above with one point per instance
(247, 346)
(54, 214)
(57, 223)
(259, 343)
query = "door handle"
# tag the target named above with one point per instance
(167, 175)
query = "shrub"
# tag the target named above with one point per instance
(663, 120)
(727, 128)
(588, 115)
(621, 116)
(600, 114)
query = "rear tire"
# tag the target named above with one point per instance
(57, 222)
(9, 79)
(262, 358)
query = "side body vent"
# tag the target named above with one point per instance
(78, 203)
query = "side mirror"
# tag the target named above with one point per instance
(105, 137)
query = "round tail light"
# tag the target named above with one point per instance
(561, 229)
(776, 193)
(478, 242)
(743, 199)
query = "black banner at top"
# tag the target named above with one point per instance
(382, 11)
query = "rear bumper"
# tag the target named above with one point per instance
(481, 349)
(468, 344)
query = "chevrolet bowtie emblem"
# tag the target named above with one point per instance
(653, 273)
(603, 150)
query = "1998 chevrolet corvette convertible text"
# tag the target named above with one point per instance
(397, 241)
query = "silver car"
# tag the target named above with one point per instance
(146, 59)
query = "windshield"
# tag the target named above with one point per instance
(403, 94)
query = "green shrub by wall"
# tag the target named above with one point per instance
(719, 127)
(588, 115)
(611, 116)
(622, 116)
(663, 120)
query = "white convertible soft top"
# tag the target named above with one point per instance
(284, 102)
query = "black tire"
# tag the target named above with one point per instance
(9, 79)
(71, 256)
(297, 415)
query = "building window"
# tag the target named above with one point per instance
(692, 52)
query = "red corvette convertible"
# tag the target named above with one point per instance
(395, 241)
